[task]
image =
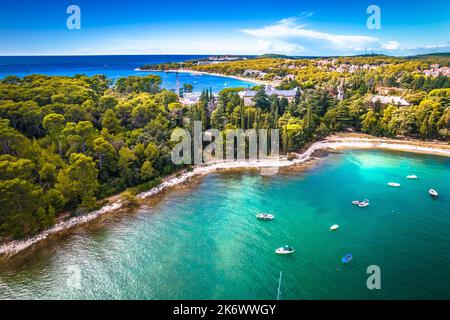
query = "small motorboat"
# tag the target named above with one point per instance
(334, 227)
(285, 250)
(356, 202)
(412, 177)
(265, 216)
(394, 184)
(364, 204)
(347, 258)
(433, 193)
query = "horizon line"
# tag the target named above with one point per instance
(218, 54)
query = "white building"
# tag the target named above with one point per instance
(290, 77)
(254, 74)
(251, 73)
(191, 98)
(437, 71)
(394, 100)
(248, 95)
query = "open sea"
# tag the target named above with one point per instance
(114, 67)
(204, 242)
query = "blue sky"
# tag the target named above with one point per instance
(300, 27)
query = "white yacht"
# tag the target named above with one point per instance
(394, 184)
(285, 250)
(433, 193)
(334, 227)
(265, 216)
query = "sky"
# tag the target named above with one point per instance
(296, 28)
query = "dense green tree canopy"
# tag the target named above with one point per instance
(67, 141)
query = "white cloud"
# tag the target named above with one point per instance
(279, 47)
(445, 46)
(431, 48)
(391, 45)
(291, 32)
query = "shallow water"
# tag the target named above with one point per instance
(204, 242)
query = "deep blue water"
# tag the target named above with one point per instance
(113, 67)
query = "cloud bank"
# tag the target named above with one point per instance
(290, 32)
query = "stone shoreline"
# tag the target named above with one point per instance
(195, 72)
(267, 167)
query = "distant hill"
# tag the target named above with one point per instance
(431, 55)
(272, 56)
(443, 55)
(440, 58)
(281, 56)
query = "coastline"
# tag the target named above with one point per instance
(195, 72)
(335, 143)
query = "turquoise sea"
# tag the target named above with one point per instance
(203, 241)
(114, 67)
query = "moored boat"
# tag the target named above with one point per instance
(347, 258)
(433, 193)
(285, 250)
(364, 204)
(265, 216)
(412, 177)
(394, 184)
(334, 227)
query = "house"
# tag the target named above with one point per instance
(252, 73)
(385, 91)
(204, 63)
(248, 95)
(322, 63)
(340, 93)
(394, 100)
(289, 77)
(437, 71)
(353, 68)
(445, 71)
(190, 98)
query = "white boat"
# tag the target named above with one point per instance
(334, 227)
(361, 204)
(433, 193)
(394, 184)
(285, 250)
(364, 204)
(265, 216)
(412, 177)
